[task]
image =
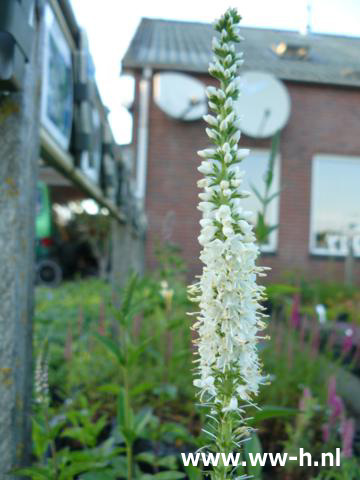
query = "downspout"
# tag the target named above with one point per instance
(143, 134)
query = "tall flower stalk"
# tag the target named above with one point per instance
(228, 371)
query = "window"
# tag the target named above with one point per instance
(291, 51)
(335, 212)
(255, 166)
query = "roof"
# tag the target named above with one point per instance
(175, 45)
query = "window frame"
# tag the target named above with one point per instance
(320, 251)
(273, 245)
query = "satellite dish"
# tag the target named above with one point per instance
(263, 106)
(180, 96)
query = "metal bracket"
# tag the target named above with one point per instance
(82, 92)
(108, 148)
(13, 20)
(16, 37)
(83, 141)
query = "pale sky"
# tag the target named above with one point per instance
(111, 24)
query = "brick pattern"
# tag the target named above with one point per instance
(324, 119)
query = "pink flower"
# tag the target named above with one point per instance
(337, 408)
(347, 434)
(331, 389)
(68, 343)
(325, 432)
(347, 344)
(102, 325)
(302, 334)
(334, 401)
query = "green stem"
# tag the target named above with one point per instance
(52, 443)
(129, 460)
(224, 444)
(129, 453)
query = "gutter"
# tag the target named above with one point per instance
(64, 163)
(143, 135)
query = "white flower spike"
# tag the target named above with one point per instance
(228, 371)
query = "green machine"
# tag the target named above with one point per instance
(48, 270)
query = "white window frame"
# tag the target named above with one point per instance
(272, 246)
(54, 32)
(313, 249)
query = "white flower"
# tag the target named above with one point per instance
(207, 234)
(207, 153)
(236, 136)
(205, 195)
(206, 206)
(229, 103)
(242, 153)
(210, 120)
(228, 231)
(211, 133)
(203, 183)
(206, 167)
(227, 158)
(223, 213)
(233, 405)
(230, 313)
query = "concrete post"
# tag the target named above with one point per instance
(120, 254)
(127, 254)
(19, 151)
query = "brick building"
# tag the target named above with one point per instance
(318, 167)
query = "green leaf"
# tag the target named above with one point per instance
(128, 294)
(125, 418)
(40, 438)
(141, 420)
(194, 473)
(110, 388)
(146, 457)
(272, 197)
(275, 144)
(257, 193)
(36, 473)
(272, 412)
(169, 462)
(141, 388)
(121, 409)
(168, 475)
(103, 475)
(112, 347)
(253, 446)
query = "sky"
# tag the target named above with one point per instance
(111, 24)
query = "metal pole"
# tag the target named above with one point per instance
(19, 150)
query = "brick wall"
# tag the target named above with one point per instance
(324, 119)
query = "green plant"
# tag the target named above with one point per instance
(80, 426)
(262, 229)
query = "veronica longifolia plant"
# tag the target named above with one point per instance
(228, 372)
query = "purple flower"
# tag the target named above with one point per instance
(325, 432)
(334, 401)
(347, 435)
(295, 311)
(331, 389)
(347, 344)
